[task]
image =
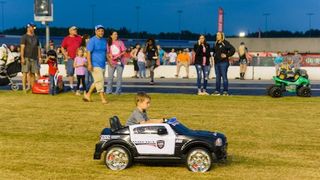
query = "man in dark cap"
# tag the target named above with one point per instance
(30, 55)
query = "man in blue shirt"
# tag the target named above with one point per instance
(96, 56)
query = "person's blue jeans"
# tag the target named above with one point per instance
(221, 70)
(88, 80)
(111, 70)
(142, 69)
(52, 87)
(202, 71)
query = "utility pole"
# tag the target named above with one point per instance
(179, 22)
(2, 15)
(310, 15)
(92, 14)
(138, 20)
(266, 15)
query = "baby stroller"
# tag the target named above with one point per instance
(9, 67)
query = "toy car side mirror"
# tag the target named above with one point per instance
(162, 131)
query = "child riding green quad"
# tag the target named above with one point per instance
(292, 81)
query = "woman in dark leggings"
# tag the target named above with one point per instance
(151, 52)
(202, 64)
(222, 51)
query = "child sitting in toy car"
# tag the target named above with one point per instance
(286, 71)
(139, 115)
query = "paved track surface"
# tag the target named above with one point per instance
(188, 86)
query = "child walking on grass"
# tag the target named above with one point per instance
(80, 63)
(53, 68)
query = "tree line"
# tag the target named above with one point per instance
(184, 35)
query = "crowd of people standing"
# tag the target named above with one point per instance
(87, 58)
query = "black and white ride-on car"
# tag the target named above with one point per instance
(170, 141)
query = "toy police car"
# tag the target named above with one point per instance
(169, 141)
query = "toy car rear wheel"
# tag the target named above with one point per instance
(118, 157)
(269, 89)
(14, 87)
(304, 92)
(276, 92)
(199, 160)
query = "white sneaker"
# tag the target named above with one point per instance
(225, 93)
(205, 93)
(216, 93)
(78, 93)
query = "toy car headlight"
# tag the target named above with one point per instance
(218, 142)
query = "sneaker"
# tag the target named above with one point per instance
(215, 93)
(205, 93)
(78, 93)
(151, 83)
(225, 93)
(200, 93)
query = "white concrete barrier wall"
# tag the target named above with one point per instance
(260, 72)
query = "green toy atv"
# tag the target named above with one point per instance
(297, 82)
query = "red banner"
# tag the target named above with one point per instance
(311, 60)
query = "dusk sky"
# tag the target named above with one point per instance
(161, 15)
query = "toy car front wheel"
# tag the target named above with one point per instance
(304, 92)
(199, 160)
(276, 92)
(117, 157)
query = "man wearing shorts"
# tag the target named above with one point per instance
(69, 47)
(30, 54)
(96, 56)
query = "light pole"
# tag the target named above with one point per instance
(179, 22)
(310, 15)
(266, 15)
(2, 14)
(138, 19)
(92, 14)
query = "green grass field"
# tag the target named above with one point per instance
(45, 137)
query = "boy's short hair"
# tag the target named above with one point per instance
(52, 53)
(141, 96)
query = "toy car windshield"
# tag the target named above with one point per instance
(179, 128)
